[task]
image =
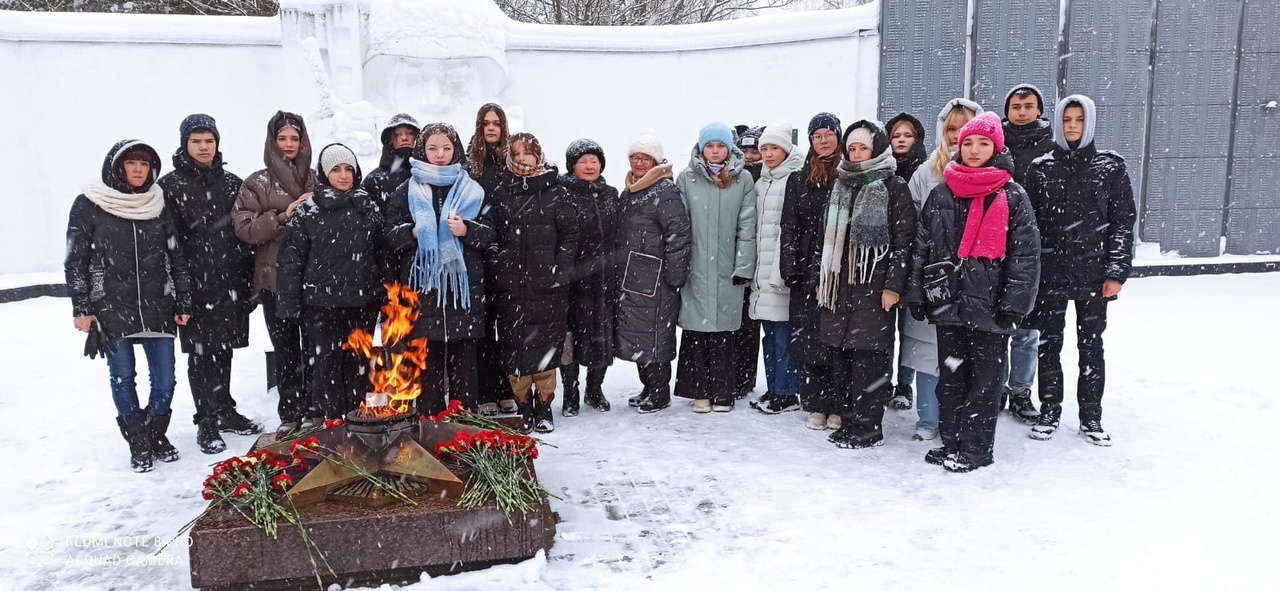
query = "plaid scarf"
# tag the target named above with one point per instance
(856, 226)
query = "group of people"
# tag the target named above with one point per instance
(865, 244)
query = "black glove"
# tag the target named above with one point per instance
(1007, 320)
(917, 312)
(740, 280)
(97, 343)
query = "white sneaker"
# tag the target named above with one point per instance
(923, 434)
(817, 421)
(1043, 431)
(833, 422)
(1093, 433)
(702, 405)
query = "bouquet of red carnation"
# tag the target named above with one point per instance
(499, 464)
(456, 414)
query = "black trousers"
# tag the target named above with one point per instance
(656, 378)
(492, 384)
(705, 369)
(569, 374)
(291, 360)
(339, 379)
(746, 353)
(817, 389)
(1091, 320)
(209, 374)
(970, 381)
(451, 375)
(858, 379)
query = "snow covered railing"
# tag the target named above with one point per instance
(85, 27)
(762, 30)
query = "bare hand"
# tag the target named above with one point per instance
(415, 232)
(1111, 288)
(84, 323)
(889, 299)
(288, 212)
(182, 319)
(457, 226)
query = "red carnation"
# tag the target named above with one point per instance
(241, 490)
(207, 494)
(312, 443)
(282, 481)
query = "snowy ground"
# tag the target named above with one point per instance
(746, 501)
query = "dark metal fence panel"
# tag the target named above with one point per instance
(1014, 47)
(1253, 204)
(923, 54)
(1191, 107)
(1108, 58)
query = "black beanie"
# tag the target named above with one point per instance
(198, 122)
(749, 137)
(824, 120)
(579, 148)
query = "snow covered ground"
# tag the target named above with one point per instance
(745, 501)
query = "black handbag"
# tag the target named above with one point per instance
(941, 283)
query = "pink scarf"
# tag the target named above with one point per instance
(985, 233)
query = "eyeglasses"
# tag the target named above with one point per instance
(640, 158)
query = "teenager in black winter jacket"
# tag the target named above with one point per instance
(201, 193)
(1028, 136)
(746, 340)
(594, 290)
(1084, 205)
(398, 137)
(329, 279)
(800, 252)
(537, 242)
(129, 285)
(974, 274)
(869, 224)
(487, 163)
(906, 138)
(441, 212)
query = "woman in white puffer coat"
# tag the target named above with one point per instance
(770, 298)
(919, 350)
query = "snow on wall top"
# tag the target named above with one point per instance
(760, 30)
(138, 28)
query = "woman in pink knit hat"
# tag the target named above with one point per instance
(974, 274)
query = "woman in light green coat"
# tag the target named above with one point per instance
(721, 198)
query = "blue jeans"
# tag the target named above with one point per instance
(926, 400)
(121, 365)
(779, 369)
(1023, 348)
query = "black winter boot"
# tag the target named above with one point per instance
(595, 389)
(525, 410)
(902, 395)
(543, 417)
(570, 405)
(1021, 406)
(938, 455)
(208, 438)
(230, 421)
(135, 434)
(157, 427)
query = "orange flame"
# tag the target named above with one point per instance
(397, 366)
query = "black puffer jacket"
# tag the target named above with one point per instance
(393, 167)
(803, 211)
(537, 242)
(1084, 206)
(594, 289)
(985, 287)
(1026, 143)
(859, 320)
(329, 259)
(221, 265)
(131, 274)
(442, 321)
(651, 262)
